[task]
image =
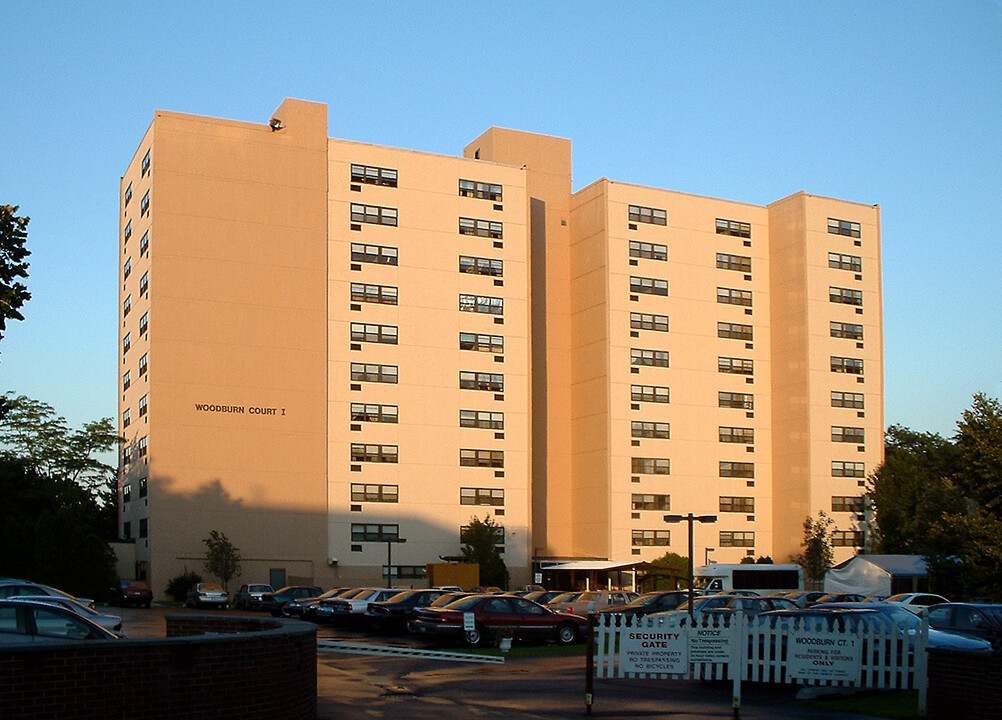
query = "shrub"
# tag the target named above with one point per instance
(179, 585)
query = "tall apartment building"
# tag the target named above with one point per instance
(330, 348)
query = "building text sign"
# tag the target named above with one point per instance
(238, 409)
(654, 651)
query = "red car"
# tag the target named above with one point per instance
(499, 615)
(130, 592)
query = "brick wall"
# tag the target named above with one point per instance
(248, 668)
(965, 685)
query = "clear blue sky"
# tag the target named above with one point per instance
(890, 103)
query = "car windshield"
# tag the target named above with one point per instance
(566, 597)
(210, 587)
(645, 599)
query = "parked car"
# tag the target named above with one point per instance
(542, 596)
(308, 606)
(648, 603)
(108, 622)
(803, 598)
(839, 598)
(248, 597)
(273, 602)
(720, 604)
(11, 587)
(130, 592)
(394, 613)
(351, 608)
(977, 620)
(916, 601)
(209, 594)
(495, 615)
(28, 622)
(591, 601)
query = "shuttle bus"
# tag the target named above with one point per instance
(761, 579)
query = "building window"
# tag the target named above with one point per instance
(850, 331)
(144, 527)
(143, 404)
(127, 305)
(645, 429)
(482, 190)
(736, 435)
(141, 450)
(649, 393)
(651, 251)
(482, 228)
(838, 261)
(499, 535)
(363, 452)
(126, 418)
(127, 492)
(408, 571)
(737, 469)
(845, 296)
(144, 242)
(378, 254)
(127, 269)
(650, 466)
(853, 366)
(374, 532)
(373, 214)
(127, 531)
(374, 493)
(128, 230)
(481, 343)
(481, 458)
(370, 332)
(655, 358)
(653, 216)
(128, 193)
(481, 304)
(647, 321)
(126, 342)
(143, 486)
(649, 538)
(380, 294)
(144, 205)
(368, 372)
(743, 401)
(847, 538)
(847, 503)
(144, 283)
(483, 419)
(843, 227)
(741, 263)
(737, 539)
(470, 380)
(847, 400)
(481, 496)
(126, 380)
(733, 227)
(649, 286)
(847, 434)
(737, 504)
(146, 163)
(842, 468)
(144, 363)
(732, 296)
(735, 366)
(735, 331)
(371, 175)
(368, 412)
(641, 501)
(126, 455)
(481, 266)
(144, 323)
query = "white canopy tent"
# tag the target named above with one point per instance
(878, 575)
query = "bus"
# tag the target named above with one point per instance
(761, 579)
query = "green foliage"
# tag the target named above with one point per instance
(481, 539)
(222, 558)
(817, 557)
(979, 447)
(764, 560)
(179, 585)
(747, 560)
(13, 265)
(676, 574)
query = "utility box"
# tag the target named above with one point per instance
(464, 575)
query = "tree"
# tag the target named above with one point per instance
(13, 294)
(481, 539)
(817, 557)
(979, 449)
(222, 558)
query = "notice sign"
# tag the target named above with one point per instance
(654, 651)
(818, 655)
(710, 644)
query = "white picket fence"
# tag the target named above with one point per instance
(862, 652)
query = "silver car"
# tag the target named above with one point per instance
(27, 622)
(108, 622)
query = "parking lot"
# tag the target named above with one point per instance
(522, 687)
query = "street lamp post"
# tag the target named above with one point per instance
(690, 518)
(389, 557)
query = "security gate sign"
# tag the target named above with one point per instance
(653, 650)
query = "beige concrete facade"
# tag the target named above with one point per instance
(346, 343)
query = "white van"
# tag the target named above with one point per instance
(760, 579)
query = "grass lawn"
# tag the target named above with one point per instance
(897, 704)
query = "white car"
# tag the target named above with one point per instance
(209, 594)
(916, 601)
(108, 622)
(10, 588)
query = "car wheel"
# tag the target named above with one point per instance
(476, 636)
(147, 604)
(566, 634)
(411, 627)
